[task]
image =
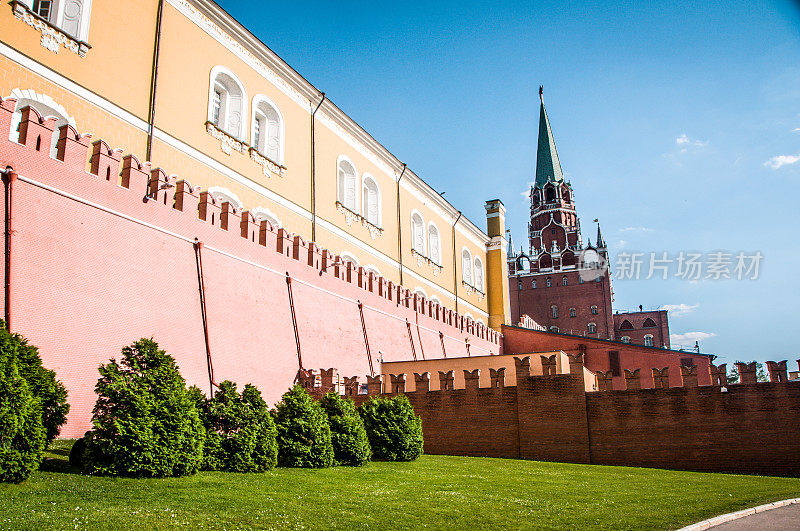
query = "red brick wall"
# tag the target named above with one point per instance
(748, 429)
(523, 340)
(537, 302)
(95, 267)
(660, 332)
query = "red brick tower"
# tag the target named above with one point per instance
(559, 283)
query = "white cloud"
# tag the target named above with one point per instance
(527, 193)
(796, 130)
(620, 244)
(686, 142)
(679, 310)
(689, 338)
(782, 160)
(636, 229)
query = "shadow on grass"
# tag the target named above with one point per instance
(57, 458)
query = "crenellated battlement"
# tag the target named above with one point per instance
(77, 152)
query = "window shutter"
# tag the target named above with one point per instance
(478, 275)
(72, 17)
(434, 244)
(273, 147)
(234, 114)
(466, 265)
(350, 191)
(419, 241)
(372, 205)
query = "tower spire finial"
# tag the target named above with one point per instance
(541, 91)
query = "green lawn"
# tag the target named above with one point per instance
(434, 492)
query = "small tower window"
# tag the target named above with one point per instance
(549, 283)
(592, 328)
(554, 329)
(572, 312)
(564, 281)
(594, 310)
(626, 339)
(533, 285)
(554, 311)
(648, 340)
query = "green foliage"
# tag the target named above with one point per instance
(43, 384)
(304, 435)
(145, 423)
(350, 443)
(22, 433)
(394, 431)
(761, 376)
(240, 432)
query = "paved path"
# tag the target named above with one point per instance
(787, 517)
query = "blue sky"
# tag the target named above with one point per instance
(678, 125)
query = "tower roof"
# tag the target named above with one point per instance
(548, 167)
(600, 241)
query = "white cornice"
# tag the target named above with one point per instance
(230, 33)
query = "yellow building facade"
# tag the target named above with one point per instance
(184, 85)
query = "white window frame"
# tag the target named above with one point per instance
(626, 339)
(478, 268)
(418, 235)
(258, 100)
(373, 269)
(365, 179)
(466, 270)
(437, 248)
(264, 213)
(341, 186)
(45, 106)
(554, 311)
(592, 327)
(223, 194)
(215, 82)
(349, 257)
(648, 340)
(56, 17)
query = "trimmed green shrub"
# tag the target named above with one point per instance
(145, 423)
(350, 443)
(22, 433)
(43, 384)
(394, 431)
(240, 432)
(304, 436)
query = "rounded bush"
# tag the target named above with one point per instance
(77, 451)
(394, 431)
(145, 423)
(43, 385)
(304, 436)
(240, 432)
(22, 433)
(350, 443)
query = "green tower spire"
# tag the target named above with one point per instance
(548, 167)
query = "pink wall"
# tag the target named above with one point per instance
(94, 267)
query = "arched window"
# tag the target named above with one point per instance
(372, 269)
(554, 329)
(592, 328)
(550, 194)
(371, 197)
(548, 282)
(72, 16)
(626, 325)
(418, 233)
(564, 280)
(436, 299)
(649, 323)
(346, 184)
(421, 292)
(533, 285)
(349, 258)
(264, 213)
(478, 274)
(594, 310)
(267, 134)
(466, 266)
(554, 311)
(572, 312)
(224, 195)
(648, 340)
(45, 106)
(626, 339)
(434, 244)
(226, 102)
